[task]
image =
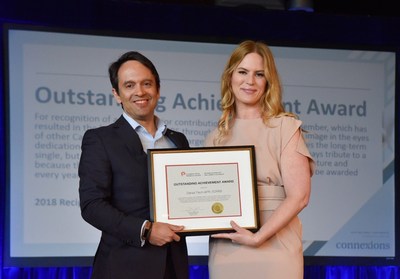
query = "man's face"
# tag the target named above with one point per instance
(138, 92)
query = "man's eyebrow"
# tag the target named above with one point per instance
(128, 81)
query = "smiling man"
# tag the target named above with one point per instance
(113, 187)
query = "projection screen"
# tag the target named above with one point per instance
(58, 87)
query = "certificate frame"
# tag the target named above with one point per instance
(204, 188)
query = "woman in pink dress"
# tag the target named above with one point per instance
(253, 114)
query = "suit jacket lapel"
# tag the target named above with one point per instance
(175, 139)
(128, 135)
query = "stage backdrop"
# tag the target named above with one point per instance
(58, 88)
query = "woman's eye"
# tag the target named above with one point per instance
(260, 74)
(242, 72)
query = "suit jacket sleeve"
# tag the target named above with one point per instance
(106, 201)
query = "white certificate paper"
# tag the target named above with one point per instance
(203, 190)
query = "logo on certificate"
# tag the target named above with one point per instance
(217, 208)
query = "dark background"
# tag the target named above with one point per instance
(339, 22)
(39, 10)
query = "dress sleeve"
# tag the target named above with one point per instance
(289, 127)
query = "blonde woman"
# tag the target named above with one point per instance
(253, 114)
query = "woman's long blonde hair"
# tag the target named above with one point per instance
(270, 102)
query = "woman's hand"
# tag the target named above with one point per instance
(240, 236)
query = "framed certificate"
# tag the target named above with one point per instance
(203, 189)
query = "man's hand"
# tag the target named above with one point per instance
(163, 233)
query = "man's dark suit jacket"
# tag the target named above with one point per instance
(114, 198)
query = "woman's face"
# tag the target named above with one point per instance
(248, 81)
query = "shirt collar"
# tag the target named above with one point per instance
(161, 125)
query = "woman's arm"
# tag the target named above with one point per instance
(296, 175)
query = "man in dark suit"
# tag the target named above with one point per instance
(113, 188)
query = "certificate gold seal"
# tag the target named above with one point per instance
(217, 208)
